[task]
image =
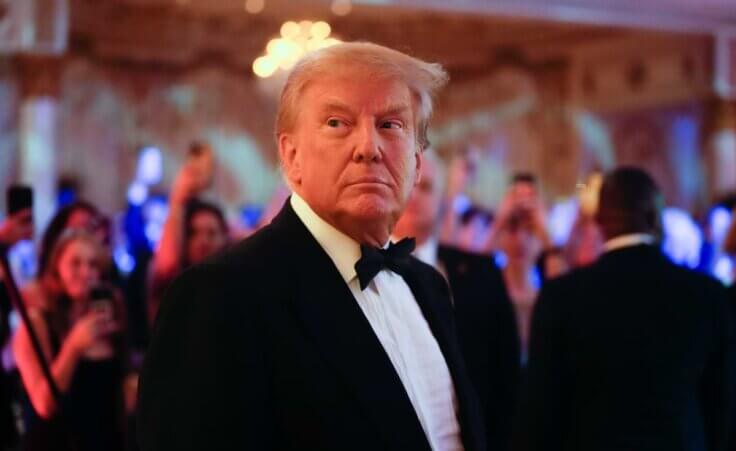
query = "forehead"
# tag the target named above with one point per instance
(77, 247)
(357, 90)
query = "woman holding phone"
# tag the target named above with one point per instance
(194, 229)
(79, 329)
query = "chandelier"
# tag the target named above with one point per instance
(296, 40)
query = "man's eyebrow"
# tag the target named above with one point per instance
(389, 110)
(336, 106)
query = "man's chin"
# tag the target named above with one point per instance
(369, 207)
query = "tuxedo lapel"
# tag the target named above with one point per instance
(340, 330)
(430, 304)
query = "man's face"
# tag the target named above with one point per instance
(423, 209)
(353, 154)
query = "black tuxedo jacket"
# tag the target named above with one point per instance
(631, 353)
(265, 348)
(488, 336)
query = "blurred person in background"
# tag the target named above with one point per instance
(81, 336)
(79, 215)
(584, 244)
(194, 229)
(632, 352)
(729, 248)
(524, 200)
(461, 172)
(483, 313)
(585, 240)
(17, 226)
(519, 233)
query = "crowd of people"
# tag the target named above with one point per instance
(76, 353)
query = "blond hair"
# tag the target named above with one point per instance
(423, 79)
(50, 277)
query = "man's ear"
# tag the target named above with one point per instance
(290, 160)
(418, 156)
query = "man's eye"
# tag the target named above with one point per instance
(396, 125)
(334, 123)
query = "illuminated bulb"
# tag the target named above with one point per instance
(264, 66)
(295, 41)
(282, 50)
(290, 30)
(320, 30)
(341, 7)
(254, 6)
(275, 46)
(305, 27)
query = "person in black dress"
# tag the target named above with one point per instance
(82, 344)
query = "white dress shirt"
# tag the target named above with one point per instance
(402, 330)
(628, 240)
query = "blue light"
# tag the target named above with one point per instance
(124, 261)
(250, 215)
(719, 220)
(682, 237)
(150, 166)
(137, 193)
(561, 219)
(723, 270)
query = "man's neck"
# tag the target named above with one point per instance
(369, 233)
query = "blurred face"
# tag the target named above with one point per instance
(78, 269)
(521, 245)
(206, 237)
(423, 209)
(353, 154)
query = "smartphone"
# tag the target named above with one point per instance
(18, 197)
(101, 302)
(201, 159)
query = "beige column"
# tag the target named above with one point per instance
(37, 165)
(719, 140)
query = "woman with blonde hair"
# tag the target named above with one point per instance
(79, 327)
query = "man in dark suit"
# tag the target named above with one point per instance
(630, 353)
(315, 333)
(484, 316)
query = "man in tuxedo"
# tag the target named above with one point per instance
(484, 316)
(316, 333)
(632, 352)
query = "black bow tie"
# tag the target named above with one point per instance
(372, 260)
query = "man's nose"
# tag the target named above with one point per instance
(367, 147)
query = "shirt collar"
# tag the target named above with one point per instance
(342, 250)
(632, 239)
(427, 252)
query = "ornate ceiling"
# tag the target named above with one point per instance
(176, 33)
